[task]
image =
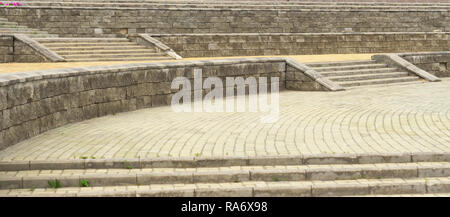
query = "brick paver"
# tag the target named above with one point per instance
(391, 119)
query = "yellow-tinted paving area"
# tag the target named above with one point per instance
(26, 67)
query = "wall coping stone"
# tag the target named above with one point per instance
(39, 48)
(169, 51)
(397, 60)
(424, 53)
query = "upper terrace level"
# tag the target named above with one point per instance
(239, 4)
(115, 18)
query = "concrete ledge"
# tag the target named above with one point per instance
(396, 61)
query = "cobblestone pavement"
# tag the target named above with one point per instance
(384, 119)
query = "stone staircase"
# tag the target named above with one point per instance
(87, 49)
(365, 175)
(350, 74)
(7, 27)
(101, 49)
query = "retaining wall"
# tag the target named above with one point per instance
(22, 49)
(6, 49)
(113, 22)
(214, 45)
(34, 102)
(436, 63)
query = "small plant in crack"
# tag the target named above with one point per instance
(85, 183)
(54, 184)
(127, 165)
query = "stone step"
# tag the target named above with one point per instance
(150, 52)
(118, 59)
(419, 81)
(41, 36)
(190, 162)
(79, 40)
(406, 195)
(250, 189)
(368, 76)
(11, 25)
(206, 5)
(88, 44)
(136, 47)
(112, 55)
(340, 63)
(117, 177)
(349, 67)
(21, 31)
(359, 72)
(378, 81)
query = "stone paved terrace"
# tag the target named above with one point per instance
(24, 67)
(387, 119)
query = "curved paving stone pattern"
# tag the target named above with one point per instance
(386, 119)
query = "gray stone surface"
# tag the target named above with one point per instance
(252, 44)
(436, 63)
(83, 21)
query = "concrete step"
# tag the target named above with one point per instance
(118, 59)
(378, 81)
(406, 195)
(89, 44)
(12, 25)
(418, 82)
(130, 176)
(340, 63)
(149, 52)
(359, 72)
(86, 162)
(349, 67)
(79, 40)
(113, 55)
(21, 31)
(97, 48)
(42, 35)
(368, 76)
(251, 189)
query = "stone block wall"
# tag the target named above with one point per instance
(23, 53)
(15, 48)
(6, 49)
(34, 102)
(213, 45)
(113, 22)
(436, 63)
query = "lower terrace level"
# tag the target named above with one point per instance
(380, 119)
